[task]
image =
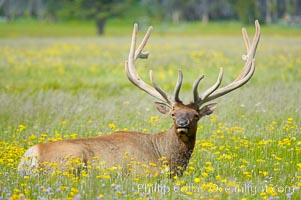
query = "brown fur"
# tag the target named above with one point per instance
(173, 145)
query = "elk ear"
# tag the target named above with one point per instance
(162, 108)
(208, 109)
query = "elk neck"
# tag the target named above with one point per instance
(175, 148)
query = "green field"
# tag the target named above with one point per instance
(53, 88)
(117, 27)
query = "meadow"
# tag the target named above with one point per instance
(69, 87)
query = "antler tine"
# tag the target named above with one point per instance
(245, 57)
(255, 40)
(160, 90)
(176, 93)
(242, 78)
(246, 39)
(175, 97)
(139, 53)
(232, 86)
(211, 89)
(250, 49)
(195, 88)
(132, 74)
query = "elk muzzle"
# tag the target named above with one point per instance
(182, 126)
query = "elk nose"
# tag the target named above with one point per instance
(182, 122)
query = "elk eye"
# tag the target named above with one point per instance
(172, 115)
(196, 116)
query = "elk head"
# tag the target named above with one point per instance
(186, 116)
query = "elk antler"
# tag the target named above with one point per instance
(242, 78)
(155, 91)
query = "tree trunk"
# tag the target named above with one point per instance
(205, 9)
(176, 15)
(205, 18)
(100, 23)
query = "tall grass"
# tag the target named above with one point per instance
(53, 89)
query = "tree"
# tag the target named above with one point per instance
(190, 10)
(166, 9)
(267, 11)
(100, 10)
(245, 10)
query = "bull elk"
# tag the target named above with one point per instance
(175, 145)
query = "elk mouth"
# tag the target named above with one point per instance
(182, 130)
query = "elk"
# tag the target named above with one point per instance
(175, 145)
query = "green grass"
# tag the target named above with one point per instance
(57, 88)
(46, 29)
(117, 27)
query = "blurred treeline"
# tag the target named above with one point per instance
(175, 11)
